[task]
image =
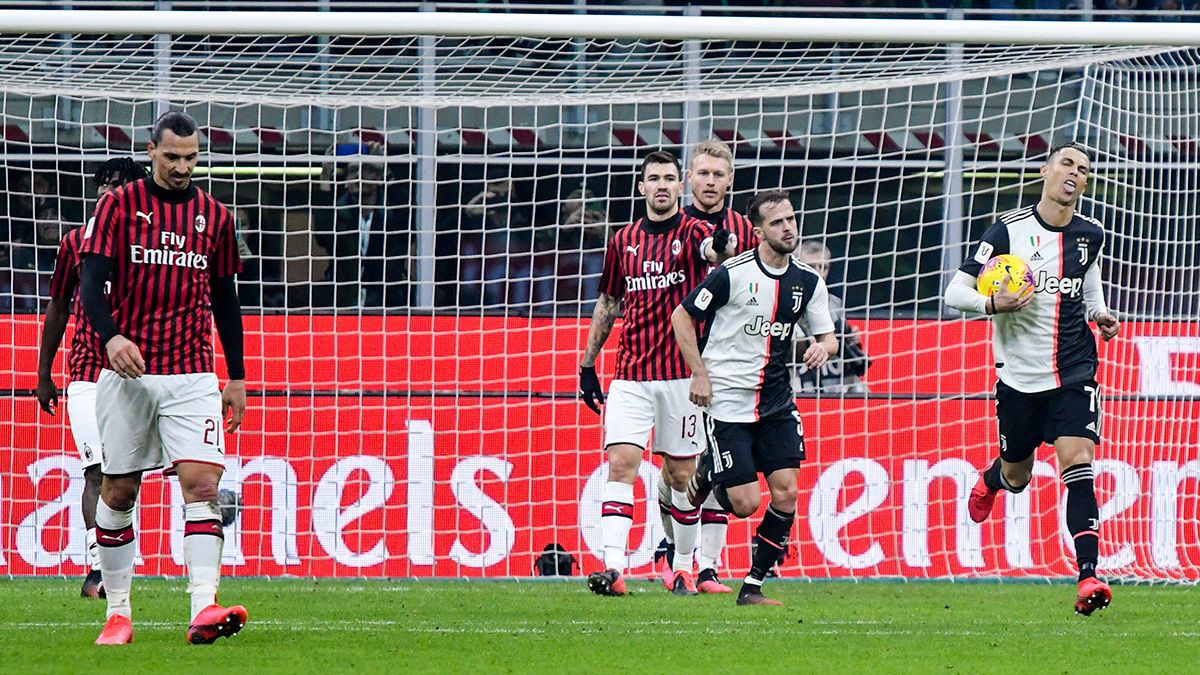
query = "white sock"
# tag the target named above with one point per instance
(92, 549)
(714, 525)
(687, 530)
(115, 549)
(664, 509)
(203, 540)
(616, 518)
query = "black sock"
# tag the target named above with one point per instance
(771, 538)
(1083, 517)
(991, 477)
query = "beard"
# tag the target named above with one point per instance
(650, 206)
(782, 248)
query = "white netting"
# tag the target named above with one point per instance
(414, 408)
(390, 71)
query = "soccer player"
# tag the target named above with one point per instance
(170, 252)
(84, 362)
(709, 176)
(648, 267)
(749, 307)
(1045, 353)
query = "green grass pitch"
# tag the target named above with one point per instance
(554, 626)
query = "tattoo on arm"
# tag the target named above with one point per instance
(603, 316)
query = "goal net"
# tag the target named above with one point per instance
(422, 220)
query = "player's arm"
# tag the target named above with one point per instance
(63, 284)
(961, 292)
(820, 321)
(699, 305)
(55, 324)
(1097, 309)
(124, 357)
(227, 315)
(604, 315)
(608, 308)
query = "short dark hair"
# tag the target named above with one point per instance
(1070, 145)
(762, 198)
(660, 157)
(178, 122)
(121, 170)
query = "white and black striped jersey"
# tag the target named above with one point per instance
(748, 314)
(1048, 343)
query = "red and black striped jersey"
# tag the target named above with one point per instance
(736, 223)
(651, 267)
(85, 359)
(166, 247)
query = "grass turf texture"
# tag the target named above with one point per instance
(551, 626)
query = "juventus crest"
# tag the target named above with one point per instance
(1083, 250)
(797, 298)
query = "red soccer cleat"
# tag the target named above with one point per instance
(683, 584)
(979, 504)
(708, 582)
(118, 630)
(1093, 595)
(215, 622)
(608, 582)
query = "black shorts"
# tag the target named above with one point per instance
(742, 450)
(1028, 419)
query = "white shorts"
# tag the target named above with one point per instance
(156, 420)
(81, 413)
(634, 409)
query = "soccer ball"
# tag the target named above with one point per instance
(993, 273)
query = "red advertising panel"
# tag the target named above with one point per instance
(496, 354)
(476, 486)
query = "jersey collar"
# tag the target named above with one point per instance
(171, 196)
(664, 226)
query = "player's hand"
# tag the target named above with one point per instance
(720, 239)
(1007, 301)
(589, 388)
(47, 395)
(700, 391)
(815, 356)
(125, 357)
(1109, 326)
(233, 404)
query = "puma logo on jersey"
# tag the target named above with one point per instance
(632, 249)
(146, 216)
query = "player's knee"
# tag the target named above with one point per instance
(744, 505)
(680, 472)
(784, 497)
(623, 462)
(119, 496)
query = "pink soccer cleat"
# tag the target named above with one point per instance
(118, 630)
(979, 504)
(1093, 595)
(215, 622)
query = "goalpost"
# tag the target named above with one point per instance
(413, 408)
